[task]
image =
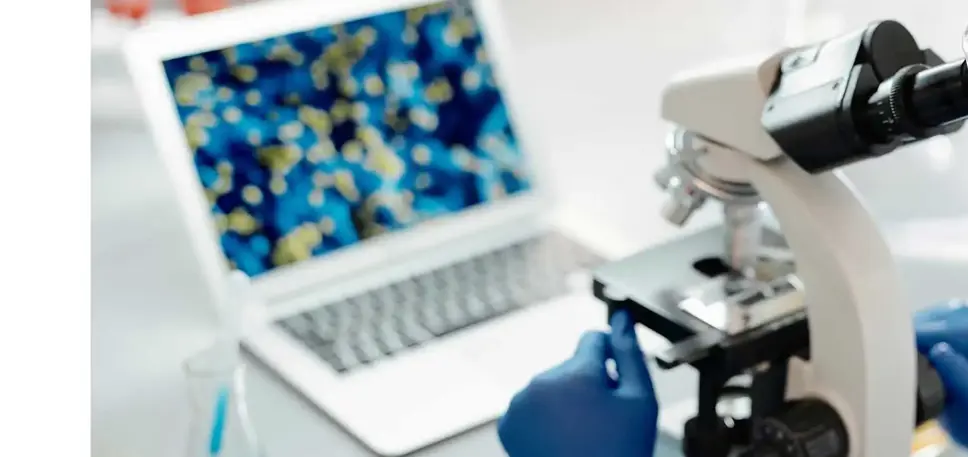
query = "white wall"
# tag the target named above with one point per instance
(594, 69)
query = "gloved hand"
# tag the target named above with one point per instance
(578, 410)
(942, 336)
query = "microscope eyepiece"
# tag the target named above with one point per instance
(939, 95)
(863, 95)
(915, 103)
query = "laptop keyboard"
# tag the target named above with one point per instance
(386, 321)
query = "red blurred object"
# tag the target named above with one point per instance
(138, 9)
(129, 9)
(193, 7)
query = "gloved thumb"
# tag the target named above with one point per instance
(953, 369)
(590, 357)
(633, 374)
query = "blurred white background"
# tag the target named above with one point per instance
(590, 73)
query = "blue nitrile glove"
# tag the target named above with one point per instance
(578, 410)
(942, 333)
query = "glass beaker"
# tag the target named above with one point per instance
(220, 425)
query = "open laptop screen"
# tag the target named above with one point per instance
(316, 140)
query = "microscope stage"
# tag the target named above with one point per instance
(683, 291)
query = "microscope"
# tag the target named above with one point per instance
(807, 321)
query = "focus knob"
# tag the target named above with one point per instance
(931, 394)
(805, 428)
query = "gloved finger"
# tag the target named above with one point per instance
(633, 374)
(956, 308)
(953, 332)
(952, 367)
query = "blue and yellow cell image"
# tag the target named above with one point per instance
(312, 141)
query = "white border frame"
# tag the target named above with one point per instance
(47, 395)
(147, 48)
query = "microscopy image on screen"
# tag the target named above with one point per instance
(314, 141)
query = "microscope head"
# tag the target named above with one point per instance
(850, 98)
(714, 108)
(722, 102)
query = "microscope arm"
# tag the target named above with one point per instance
(860, 326)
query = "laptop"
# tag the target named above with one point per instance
(373, 168)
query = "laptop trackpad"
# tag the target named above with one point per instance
(538, 338)
(535, 339)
